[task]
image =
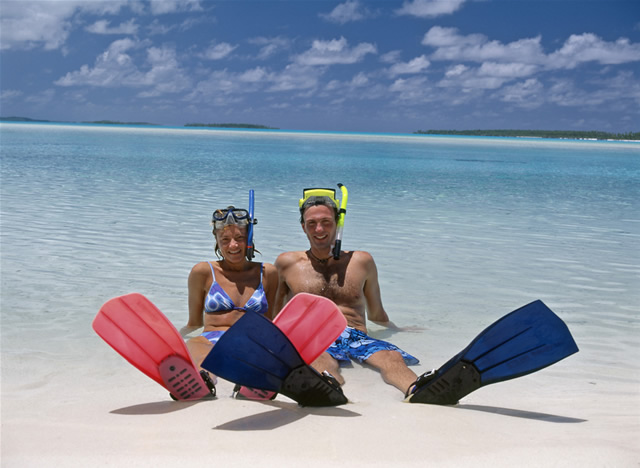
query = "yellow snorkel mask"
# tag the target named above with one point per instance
(326, 196)
(318, 196)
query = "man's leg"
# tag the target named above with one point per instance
(393, 369)
(325, 362)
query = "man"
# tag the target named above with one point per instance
(351, 281)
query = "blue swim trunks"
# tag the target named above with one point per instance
(359, 346)
(213, 336)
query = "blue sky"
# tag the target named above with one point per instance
(355, 65)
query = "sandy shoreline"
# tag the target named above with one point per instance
(565, 415)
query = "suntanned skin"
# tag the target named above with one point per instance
(237, 276)
(351, 282)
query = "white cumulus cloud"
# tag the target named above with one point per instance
(450, 45)
(416, 65)
(219, 51)
(295, 77)
(28, 24)
(591, 48)
(352, 10)
(333, 52)
(430, 8)
(104, 27)
(8, 94)
(161, 7)
(115, 67)
(527, 94)
(506, 70)
(527, 54)
(270, 46)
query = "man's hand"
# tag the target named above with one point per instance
(392, 326)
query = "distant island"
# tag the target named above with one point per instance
(21, 119)
(100, 122)
(115, 122)
(561, 134)
(230, 125)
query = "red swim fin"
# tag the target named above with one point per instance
(312, 323)
(140, 333)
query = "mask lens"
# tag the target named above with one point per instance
(237, 214)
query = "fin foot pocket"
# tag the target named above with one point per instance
(309, 388)
(241, 392)
(183, 381)
(206, 377)
(448, 387)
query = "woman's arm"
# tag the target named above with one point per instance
(196, 283)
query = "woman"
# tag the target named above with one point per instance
(221, 291)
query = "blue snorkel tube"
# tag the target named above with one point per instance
(252, 221)
(342, 214)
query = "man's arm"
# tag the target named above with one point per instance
(372, 295)
(271, 284)
(375, 309)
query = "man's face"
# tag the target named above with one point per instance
(320, 226)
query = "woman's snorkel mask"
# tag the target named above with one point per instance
(229, 216)
(327, 197)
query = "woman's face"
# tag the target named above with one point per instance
(232, 241)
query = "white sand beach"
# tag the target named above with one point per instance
(121, 418)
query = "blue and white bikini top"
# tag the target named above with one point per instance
(218, 300)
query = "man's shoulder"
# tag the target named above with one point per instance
(287, 258)
(362, 256)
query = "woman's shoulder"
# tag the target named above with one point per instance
(202, 268)
(269, 268)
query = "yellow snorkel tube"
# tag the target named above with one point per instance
(343, 213)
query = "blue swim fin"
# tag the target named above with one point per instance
(256, 353)
(524, 341)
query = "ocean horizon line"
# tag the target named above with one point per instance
(281, 131)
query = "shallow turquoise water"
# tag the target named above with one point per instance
(463, 229)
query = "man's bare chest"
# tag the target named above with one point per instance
(337, 284)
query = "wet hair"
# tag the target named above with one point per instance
(316, 201)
